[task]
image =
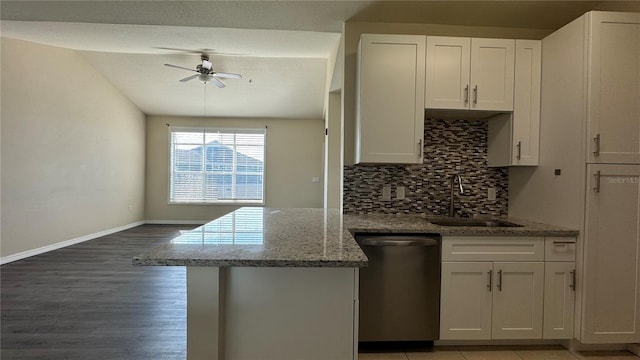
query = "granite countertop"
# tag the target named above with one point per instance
(255, 236)
(380, 223)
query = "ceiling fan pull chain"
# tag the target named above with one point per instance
(204, 107)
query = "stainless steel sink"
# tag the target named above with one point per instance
(473, 222)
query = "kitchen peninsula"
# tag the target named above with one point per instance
(283, 283)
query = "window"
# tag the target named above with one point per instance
(216, 165)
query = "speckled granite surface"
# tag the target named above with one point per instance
(305, 238)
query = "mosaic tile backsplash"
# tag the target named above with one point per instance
(451, 147)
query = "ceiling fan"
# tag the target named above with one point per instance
(206, 74)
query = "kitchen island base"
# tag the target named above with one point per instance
(271, 313)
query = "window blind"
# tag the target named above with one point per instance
(214, 165)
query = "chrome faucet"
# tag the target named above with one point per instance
(453, 181)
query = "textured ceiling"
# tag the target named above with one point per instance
(280, 47)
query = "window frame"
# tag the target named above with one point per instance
(204, 130)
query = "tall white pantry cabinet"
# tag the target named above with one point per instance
(589, 172)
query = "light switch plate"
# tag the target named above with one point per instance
(386, 193)
(400, 192)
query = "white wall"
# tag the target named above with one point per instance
(333, 153)
(293, 158)
(72, 149)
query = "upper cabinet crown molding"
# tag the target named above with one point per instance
(469, 73)
(390, 99)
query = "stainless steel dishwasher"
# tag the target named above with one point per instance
(400, 289)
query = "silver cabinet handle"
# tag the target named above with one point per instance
(420, 149)
(519, 147)
(466, 94)
(561, 242)
(475, 94)
(489, 283)
(399, 241)
(500, 280)
(596, 139)
(596, 188)
(572, 285)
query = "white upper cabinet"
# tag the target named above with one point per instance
(614, 85)
(514, 138)
(526, 107)
(448, 65)
(492, 74)
(470, 73)
(390, 99)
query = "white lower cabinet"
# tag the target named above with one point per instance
(517, 300)
(486, 300)
(559, 295)
(465, 301)
(510, 292)
(610, 285)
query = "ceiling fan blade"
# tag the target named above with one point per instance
(227, 75)
(199, 51)
(217, 82)
(178, 67)
(188, 51)
(190, 77)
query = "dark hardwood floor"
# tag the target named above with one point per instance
(87, 301)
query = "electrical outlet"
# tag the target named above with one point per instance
(386, 193)
(491, 194)
(315, 179)
(400, 192)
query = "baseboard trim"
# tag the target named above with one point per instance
(522, 342)
(41, 250)
(577, 346)
(177, 222)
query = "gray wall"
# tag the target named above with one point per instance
(293, 158)
(72, 149)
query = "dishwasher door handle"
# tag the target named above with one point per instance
(398, 241)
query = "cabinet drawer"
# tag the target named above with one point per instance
(560, 249)
(492, 248)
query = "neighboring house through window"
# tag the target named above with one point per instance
(214, 165)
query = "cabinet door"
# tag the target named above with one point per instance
(559, 296)
(611, 273)
(492, 74)
(526, 105)
(390, 99)
(517, 300)
(447, 84)
(465, 301)
(614, 83)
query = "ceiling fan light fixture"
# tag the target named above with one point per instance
(205, 78)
